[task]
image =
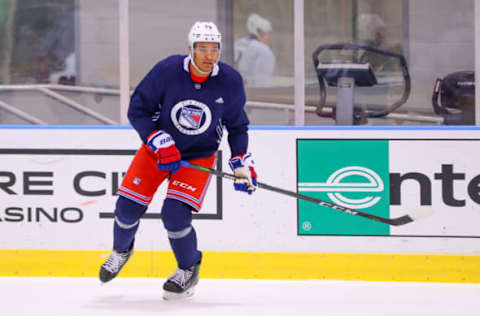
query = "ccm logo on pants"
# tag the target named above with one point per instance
(184, 185)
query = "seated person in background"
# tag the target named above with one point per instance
(253, 57)
(372, 32)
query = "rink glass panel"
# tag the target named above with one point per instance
(45, 41)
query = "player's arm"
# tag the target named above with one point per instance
(144, 104)
(241, 162)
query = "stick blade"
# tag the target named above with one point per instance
(421, 212)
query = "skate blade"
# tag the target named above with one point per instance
(172, 296)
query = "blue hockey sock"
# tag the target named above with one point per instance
(185, 249)
(123, 238)
(127, 219)
(177, 219)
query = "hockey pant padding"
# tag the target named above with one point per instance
(177, 219)
(127, 219)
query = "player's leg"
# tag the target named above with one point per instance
(177, 219)
(127, 220)
(185, 194)
(136, 192)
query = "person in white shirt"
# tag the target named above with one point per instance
(253, 57)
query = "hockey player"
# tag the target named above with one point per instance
(253, 57)
(179, 111)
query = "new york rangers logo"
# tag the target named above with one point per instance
(191, 117)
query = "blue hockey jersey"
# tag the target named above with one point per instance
(192, 113)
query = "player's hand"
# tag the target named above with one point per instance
(244, 171)
(167, 154)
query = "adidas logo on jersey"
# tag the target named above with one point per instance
(219, 100)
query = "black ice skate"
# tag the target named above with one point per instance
(181, 283)
(114, 264)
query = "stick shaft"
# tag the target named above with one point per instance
(390, 221)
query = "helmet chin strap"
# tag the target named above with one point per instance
(196, 67)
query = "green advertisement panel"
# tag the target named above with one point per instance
(350, 173)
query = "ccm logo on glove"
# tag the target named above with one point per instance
(167, 154)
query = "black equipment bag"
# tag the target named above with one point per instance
(457, 98)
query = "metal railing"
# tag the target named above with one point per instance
(50, 91)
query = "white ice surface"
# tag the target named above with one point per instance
(142, 296)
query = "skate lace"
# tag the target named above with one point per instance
(181, 277)
(114, 262)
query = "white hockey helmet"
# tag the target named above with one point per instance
(369, 26)
(204, 32)
(255, 22)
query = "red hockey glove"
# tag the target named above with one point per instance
(244, 171)
(163, 145)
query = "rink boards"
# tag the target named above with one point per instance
(58, 185)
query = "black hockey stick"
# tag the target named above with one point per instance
(402, 220)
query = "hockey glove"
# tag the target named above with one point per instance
(167, 154)
(244, 171)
